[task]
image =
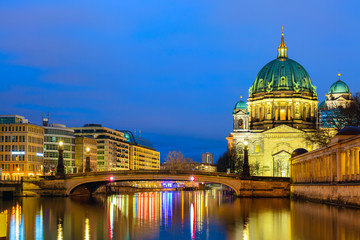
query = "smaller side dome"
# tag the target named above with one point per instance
(240, 105)
(322, 106)
(351, 130)
(298, 152)
(339, 87)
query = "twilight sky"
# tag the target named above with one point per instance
(173, 69)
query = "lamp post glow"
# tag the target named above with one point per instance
(60, 169)
(87, 162)
(246, 167)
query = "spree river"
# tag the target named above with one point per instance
(175, 215)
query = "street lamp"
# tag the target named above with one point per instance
(60, 170)
(87, 163)
(246, 167)
(18, 169)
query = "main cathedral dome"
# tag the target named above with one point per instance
(283, 74)
(282, 94)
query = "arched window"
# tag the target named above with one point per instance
(282, 82)
(240, 123)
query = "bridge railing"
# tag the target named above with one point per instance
(158, 172)
(163, 172)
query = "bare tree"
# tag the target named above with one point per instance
(344, 117)
(255, 168)
(175, 161)
(333, 120)
(320, 136)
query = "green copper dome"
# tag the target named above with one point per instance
(282, 74)
(339, 87)
(240, 105)
(322, 106)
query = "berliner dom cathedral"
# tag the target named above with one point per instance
(282, 109)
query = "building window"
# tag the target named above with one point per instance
(282, 114)
(240, 123)
(283, 81)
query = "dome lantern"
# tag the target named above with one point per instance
(282, 49)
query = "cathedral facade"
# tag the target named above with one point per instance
(282, 109)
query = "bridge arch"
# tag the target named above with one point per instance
(94, 181)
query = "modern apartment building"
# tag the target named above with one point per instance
(53, 134)
(142, 153)
(208, 158)
(112, 148)
(21, 147)
(85, 147)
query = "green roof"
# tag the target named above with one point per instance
(282, 74)
(240, 105)
(322, 106)
(339, 87)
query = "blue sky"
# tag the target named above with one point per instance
(172, 69)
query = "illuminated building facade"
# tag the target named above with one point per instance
(143, 156)
(339, 96)
(53, 134)
(205, 167)
(81, 146)
(281, 110)
(21, 147)
(112, 148)
(208, 158)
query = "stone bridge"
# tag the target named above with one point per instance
(10, 189)
(252, 187)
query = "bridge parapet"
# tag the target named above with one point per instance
(141, 172)
(250, 187)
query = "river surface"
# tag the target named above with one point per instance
(175, 215)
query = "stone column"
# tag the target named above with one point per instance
(356, 163)
(331, 167)
(326, 168)
(318, 163)
(352, 164)
(325, 171)
(339, 165)
(347, 165)
(343, 164)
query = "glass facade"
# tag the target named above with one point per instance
(52, 136)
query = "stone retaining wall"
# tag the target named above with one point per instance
(54, 188)
(342, 194)
(264, 189)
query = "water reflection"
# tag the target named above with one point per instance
(166, 215)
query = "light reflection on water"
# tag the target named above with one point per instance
(174, 215)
